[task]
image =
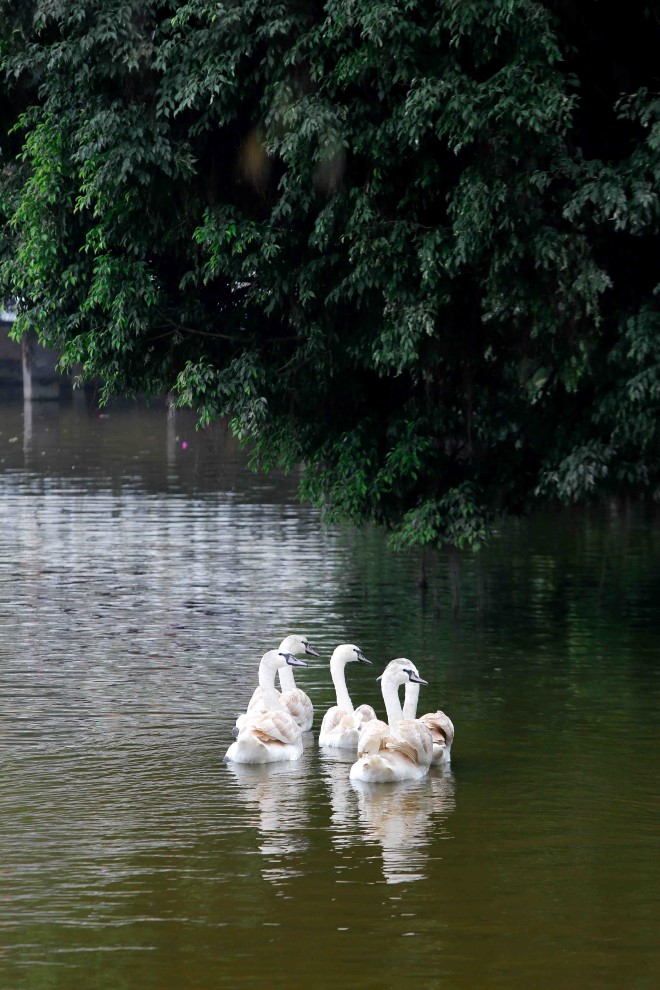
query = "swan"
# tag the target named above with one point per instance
(342, 723)
(295, 701)
(399, 749)
(439, 724)
(272, 735)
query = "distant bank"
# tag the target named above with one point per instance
(27, 367)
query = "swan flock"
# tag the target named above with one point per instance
(402, 747)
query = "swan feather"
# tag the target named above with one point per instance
(442, 733)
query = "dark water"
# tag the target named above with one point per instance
(140, 581)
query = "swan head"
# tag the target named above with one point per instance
(348, 653)
(413, 675)
(401, 671)
(292, 661)
(275, 659)
(297, 644)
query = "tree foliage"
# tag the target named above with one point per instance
(409, 243)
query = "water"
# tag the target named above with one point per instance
(143, 571)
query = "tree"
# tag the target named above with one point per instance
(408, 243)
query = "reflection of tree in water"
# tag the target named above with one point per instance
(273, 792)
(402, 818)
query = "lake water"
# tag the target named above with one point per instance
(143, 572)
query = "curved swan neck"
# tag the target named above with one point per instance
(338, 674)
(287, 680)
(267, 667)
(392, 704)
(410, 700)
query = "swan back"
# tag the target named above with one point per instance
(267, 737)
(412, 738)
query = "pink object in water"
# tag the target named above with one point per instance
(184, 444)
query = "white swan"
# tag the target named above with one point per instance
(295, 701)
(271, 735)
(439, 724)
(401, 749)
(342, 723)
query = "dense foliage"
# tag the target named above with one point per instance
(408, 243)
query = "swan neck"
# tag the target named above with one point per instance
(338, 674)
(287, 680)
(411, 699)
(269, 693)
(392, 703)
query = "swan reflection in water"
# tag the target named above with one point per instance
(402, 818)
(271, 794)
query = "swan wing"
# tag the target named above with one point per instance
(332, 719)
(255, 706)
(366, 713)
(340, 729)
(273, 727)
(440, 726)
(402, 746)
(299, 707)
(350, 722)
(336, 719)
(373, 737)
(412, 738)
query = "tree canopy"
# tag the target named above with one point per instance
(408, 244)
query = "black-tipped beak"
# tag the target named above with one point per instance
(415, 678)
(361, 657)
(293, 661)
(235, 732)
(312, 652)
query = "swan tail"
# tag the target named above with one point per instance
(372, 768)
(441, 753)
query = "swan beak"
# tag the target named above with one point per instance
(311, 651)
(235, 732)
(361, 657)
(294, 661)
(415, 678)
